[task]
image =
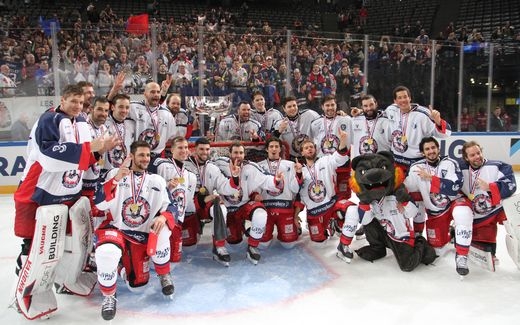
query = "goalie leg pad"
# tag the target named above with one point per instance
(34, 291)
(78, 246)
(513, 241)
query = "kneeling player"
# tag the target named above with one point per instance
(143, 218)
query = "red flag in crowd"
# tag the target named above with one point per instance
(137, 24)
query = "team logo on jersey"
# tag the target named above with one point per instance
(329, 144)
(482, 204)
(149, 135)
(71, 178)
(297, 142)
(439, 200)
(399, 141)
(116, 156)
(367, 145)
(179, 199)
(317, 191)
(235, 198)
(135, 213)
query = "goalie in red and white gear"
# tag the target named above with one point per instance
(280, 205)
(59, 151)
(142, 220)
(438, 180)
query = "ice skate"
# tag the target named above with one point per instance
(344, 253)
(461, 262)
(221, 255)
(167, 284)
(253, 254)
(108, 308)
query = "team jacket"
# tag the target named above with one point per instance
(267, 119)
(231, 128)
(58, 152)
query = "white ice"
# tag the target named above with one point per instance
(306, 285)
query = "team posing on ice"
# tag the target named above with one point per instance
(100, 177)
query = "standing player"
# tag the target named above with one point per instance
(486, 183)
(153, 123)
(242, 206)
(295, 127)
(318, 191)
(60, 149)
(119, 126)
(280, 205)
(239, 126)
(266, 117)
(143, 218)
(408, 123)
(439, 180)
(368, 132)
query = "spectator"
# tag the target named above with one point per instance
(7, 85)
(496, 124)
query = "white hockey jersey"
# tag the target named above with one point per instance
(281, 198)
(368, 135)
(182, 195)
(154, 125)
(502, 185)
(267, 119)
(124, 132)
(444, 187)
(325, 134)
(58, 152)
(298, 130)
(92, 174)
(406, 130)
(135, 201)
(318, 191)
(231, 128)
(252, 179)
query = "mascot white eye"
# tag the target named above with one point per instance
(383, 167)
(363, 171)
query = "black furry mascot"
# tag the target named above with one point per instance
(386, 210)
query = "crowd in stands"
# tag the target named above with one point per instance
(236, 59)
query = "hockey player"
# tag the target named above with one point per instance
(324, 132)
(408, 123)
(181, 184)
(118, 125)
(486, 184)
(318, 191)
(239, 126)
(367, 134)
(153, 123)
(60, 149)
(439, 180)
(280, 205)
(295, 127)
(182, 121)
(266, 117)
(207, 203)
(143, 218)
(244, 205)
